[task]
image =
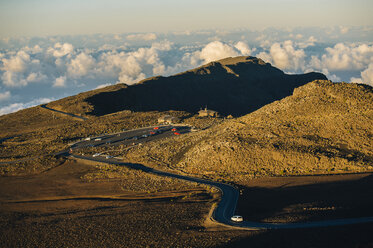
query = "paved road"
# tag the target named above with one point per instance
(61, 112)
(227, 205)
(132, 137)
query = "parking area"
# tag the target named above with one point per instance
(132, 137)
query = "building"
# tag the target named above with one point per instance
(207, 113)
(168, 119)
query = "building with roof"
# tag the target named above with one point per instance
(207, 113)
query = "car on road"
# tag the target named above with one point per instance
(237, 218)
(152, 133)
(87, 139)
(156, 128)
(174, 129)
(96, 154)
(176, 133)
(108, 157)
(98, 139)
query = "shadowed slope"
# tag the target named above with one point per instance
(234, 86)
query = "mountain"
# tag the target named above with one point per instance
(235, 86)
(323, 127)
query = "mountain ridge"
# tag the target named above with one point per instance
(235, 86)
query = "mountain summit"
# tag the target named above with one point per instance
(235, 86)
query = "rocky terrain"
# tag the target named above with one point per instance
(282, 126)
(323, 127)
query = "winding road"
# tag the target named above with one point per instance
(229, 198)
(229, 195)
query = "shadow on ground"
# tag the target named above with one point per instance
(285, 201)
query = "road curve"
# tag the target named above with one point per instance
(227, 205)
(61, 112)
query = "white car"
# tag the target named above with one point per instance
(96, 154)
(108, 157)
(237, 218)
(97, 139)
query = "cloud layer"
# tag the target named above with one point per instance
(50, 68)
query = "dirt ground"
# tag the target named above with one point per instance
(59, 209)
(307, 198)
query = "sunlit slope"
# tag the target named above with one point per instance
(323, 127)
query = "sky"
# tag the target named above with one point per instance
(53, 49)
(69, 17)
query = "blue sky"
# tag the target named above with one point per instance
(69, 17)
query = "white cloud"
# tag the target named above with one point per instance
(5, 96)
(56, 62)
(344, 57)
(366, 76)
(330, 76)
(285, 56)
(60, 82)
(13, 68)
(134, 66)
(60, 50)
(216, 50)
(309, 42)
(18, 106)
(16, 63)
(147, 37)
(243, 48)
(35, 77)
(80, 65)
(34, 49)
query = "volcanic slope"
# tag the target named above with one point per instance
(323, 127)
(235, 86)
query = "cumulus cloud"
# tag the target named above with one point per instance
(57, 62)
(60, 82)
(146, 37)
(132, 67)
(366, 76)
(80, 65)
(5, 96)
(344, 57)
(33, 50)
(60, 50)
(20, 69)
(285, 56)
(216, 50)
(16, 63)
(243, 48)
(308, 43)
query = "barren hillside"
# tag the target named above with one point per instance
(323, 127)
